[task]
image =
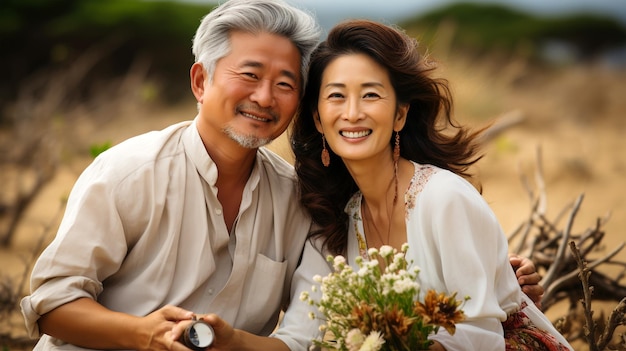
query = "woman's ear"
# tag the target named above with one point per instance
(198, 77)
(400, 119)
(318, 123)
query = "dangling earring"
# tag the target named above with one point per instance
(325, 154)
(396, 157)
(396, 149)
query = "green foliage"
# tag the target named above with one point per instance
(40, 35)
(140, 19)
(59, 19)
(97, 149)
(483, 28)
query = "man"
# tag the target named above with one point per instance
(196, 218)
(195, 215)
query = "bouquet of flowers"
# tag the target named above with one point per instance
(378, 308)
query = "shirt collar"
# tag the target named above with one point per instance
(194, 149)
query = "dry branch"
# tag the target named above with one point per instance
(616, 318)
(501, 124)
(33, 137)
(12, 290)
(546, 241)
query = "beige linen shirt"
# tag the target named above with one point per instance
(144, 228)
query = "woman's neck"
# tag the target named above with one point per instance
(374, 180)
(382, 206)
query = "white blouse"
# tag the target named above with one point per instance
(459, 246)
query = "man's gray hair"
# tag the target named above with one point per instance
(212, 41)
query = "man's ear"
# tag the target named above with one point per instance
(198, 76)
(318, 123)
(400, 119)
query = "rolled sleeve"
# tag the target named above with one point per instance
(52, 294)
(89, 247)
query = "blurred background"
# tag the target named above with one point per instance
(82, 75)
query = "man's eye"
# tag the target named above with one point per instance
(251, 75)
(286, 85)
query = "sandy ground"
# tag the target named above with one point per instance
(583, 148)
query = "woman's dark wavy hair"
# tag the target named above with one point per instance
(325, 191)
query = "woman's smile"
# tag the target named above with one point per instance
(355, 134)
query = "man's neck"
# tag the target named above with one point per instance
(234, 166)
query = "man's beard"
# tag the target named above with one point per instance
(247, 141)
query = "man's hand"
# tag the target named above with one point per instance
(161, 324)
(527, 277)
(228, 338)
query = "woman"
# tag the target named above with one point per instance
(372, 126)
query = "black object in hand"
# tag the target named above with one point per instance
(198, 335)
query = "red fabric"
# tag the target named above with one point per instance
(520, 334)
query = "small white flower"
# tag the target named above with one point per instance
(392, 267)
(399, 257)
(354, 339)
(372, 252)
(317, 278)
(339, 261)
(304, 296)
(386, 251)
(372, 264)
(363, 272)
(359, 260)
(373, 342)
(311, 315)
(404, 285)
(405, 247)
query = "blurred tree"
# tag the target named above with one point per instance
(37, 35)
(485, 28)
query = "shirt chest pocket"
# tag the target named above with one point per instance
(261, 300)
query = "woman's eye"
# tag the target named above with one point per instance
(371, 96)
(335, 96)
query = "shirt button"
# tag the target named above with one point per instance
(218, 211)
(211, 291)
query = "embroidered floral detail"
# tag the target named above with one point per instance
(352, 208)
(420, 178)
